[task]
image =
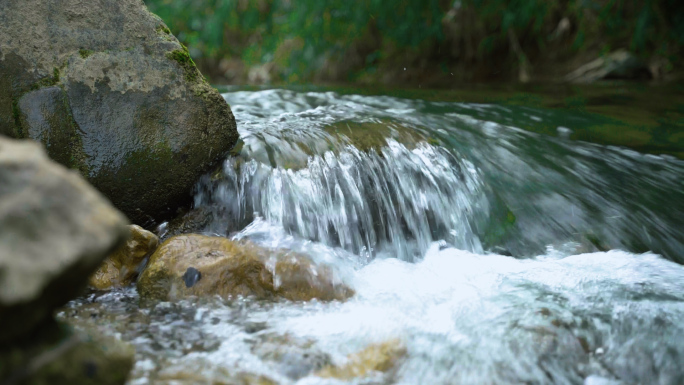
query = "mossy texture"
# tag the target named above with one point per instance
(85, 53)
(47, 81)
(163, 29)
(47, 116)
(141, 129)
(19, 130)
(373, 135)
(182, 57)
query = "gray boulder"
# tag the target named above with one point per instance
(55, 230)
(109, 91)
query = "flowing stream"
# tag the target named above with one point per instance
(487, 253)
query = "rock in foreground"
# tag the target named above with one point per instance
(199, 265)
(109, 91)
(121, 267)
(55, 230)
(61, 355)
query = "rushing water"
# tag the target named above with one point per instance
(490, 254)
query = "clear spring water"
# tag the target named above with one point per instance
(492, 254)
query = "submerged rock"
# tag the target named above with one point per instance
(196, 265)
(121, 267)
(200, 373)
(61, 355)
(55, 230)
(292, 356)
(110, 91)
(374, 134)
(380, 358)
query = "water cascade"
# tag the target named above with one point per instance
(479, 252)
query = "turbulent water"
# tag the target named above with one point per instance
(489, 254)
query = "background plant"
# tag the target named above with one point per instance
(371, 34)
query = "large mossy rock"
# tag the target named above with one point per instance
(198, 265)
(121, 267)
(55, 230)
(109, 91)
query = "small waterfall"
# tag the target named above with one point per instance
(348, 178)
(396, 200)
(382, 175)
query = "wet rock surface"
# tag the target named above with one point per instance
(118, 312)
(374, 134)
(55, 230)
(294, 357)
(377, 358)
(192, 221)
(62, 355)
(122, 266)
(160, 351)
(198, 265)
(467, 318)
(110, 92)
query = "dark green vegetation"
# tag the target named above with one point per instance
(85, 53)
(47, 81)
(16, 114)
(420, 41)
(163, 29)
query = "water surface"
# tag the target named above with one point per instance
(489, 252)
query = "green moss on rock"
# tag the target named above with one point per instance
(47, 81)
(19, 131)
(182, 57)
(368, 136)
(97, 123)
(163, 29)
(78, 159)
(85, 53)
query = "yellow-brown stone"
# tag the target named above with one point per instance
(121, 267)
(198, 265)
(381, 358)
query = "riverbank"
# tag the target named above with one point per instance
(429, 43)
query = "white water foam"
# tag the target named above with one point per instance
(471, 319)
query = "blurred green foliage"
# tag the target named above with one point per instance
(303, 36)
